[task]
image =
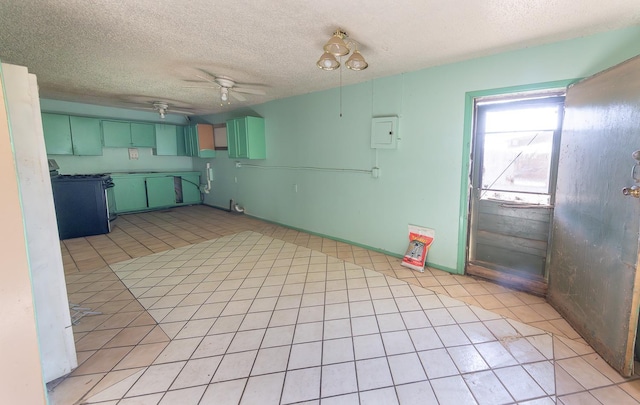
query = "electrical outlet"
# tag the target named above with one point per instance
(238, 164)
(236, 179)
(133, 153)
(295, 188)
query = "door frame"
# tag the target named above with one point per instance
(467, 141)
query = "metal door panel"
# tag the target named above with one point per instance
(593, 280)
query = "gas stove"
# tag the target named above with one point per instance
(84, 204)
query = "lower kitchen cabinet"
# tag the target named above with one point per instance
(160, 191)
(148, 191)
(130, 193)
(191, 188)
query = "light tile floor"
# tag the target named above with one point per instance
(266, 314)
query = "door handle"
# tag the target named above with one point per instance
(633, 191)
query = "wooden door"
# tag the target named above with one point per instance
(593, 278)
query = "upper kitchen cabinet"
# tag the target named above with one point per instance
(169, 140)
(245, 138)
(85, 136)
(65, 135)
(57, 134)
(121, 134)
(143, 135)
(199, 141)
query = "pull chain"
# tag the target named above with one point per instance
(341, 87)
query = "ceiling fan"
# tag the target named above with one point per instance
(162, 107)
(228, 87)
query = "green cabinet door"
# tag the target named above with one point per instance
(57, 134)
(245, 138)
(200, 141)
(181, 136)
(143, 135)
(160, 191)
(116, 134)
(85, 136)
(232, 138)
(130, 193)
(191, 140)
(166, 140)
(191, 189)
(256, 144)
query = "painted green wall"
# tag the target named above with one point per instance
(116, 159)
(420, 182)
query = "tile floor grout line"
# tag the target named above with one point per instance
(261, 340)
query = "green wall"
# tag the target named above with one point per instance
(116, 159)
(420, 181)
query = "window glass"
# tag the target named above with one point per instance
(517, 153)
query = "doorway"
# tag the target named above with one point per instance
(513, 176)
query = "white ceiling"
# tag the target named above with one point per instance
(129, 53)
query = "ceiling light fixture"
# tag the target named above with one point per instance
(161, 108)
(341, 45)
(224, 93)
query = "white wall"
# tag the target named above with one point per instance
(45, 259)
(20, 370)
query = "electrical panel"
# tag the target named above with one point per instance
(384, 132)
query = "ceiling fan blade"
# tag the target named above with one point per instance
(237, 96)
(207, 79)
(199, 87)
(184, 112)
(250, 91)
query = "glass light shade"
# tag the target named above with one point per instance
(356, 61)
(224, 93)
(328, 62)
(336, 46)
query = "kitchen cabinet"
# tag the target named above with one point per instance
(146, 191)
(143, 135)
(65, 135)
(85, 136)
(169, 140)
(199, 141)
(245, 138)
(129, 192)
(182, 141)
(160, 191)
(57, 134)
(191, 188)
(122, 134)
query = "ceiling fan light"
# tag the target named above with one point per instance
(328, 62)
(356, 61)
(336, 46)
(224, 93)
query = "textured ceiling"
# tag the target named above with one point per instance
(129, 53)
